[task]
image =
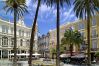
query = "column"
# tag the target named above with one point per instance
(27, 53)
(8, 54)
(8, 42)
(20, 56)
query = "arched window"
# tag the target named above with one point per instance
(12, 41)
(4, 41)
(21, 42)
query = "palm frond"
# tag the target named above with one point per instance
(20, 7)
(72, 37)
(54, 2)
(84, 7)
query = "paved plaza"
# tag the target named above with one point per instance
(25, 63)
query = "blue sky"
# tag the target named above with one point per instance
(46, 17)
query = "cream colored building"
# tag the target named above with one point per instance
(7, 41)
(79, 25)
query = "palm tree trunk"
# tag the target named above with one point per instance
(88, 33)
(15, 38)
(58, 41)
(33, 34)
(71, 49)
(88, 39)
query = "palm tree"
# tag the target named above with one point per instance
(85, 9)
(57, 3)
(33, 33)
(18, 8)
(72, 37)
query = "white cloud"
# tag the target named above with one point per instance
(65, 13)
(44, 8)
(34, 5)
(28, 2)
(72, 15)
(54, 11)
(2, 0)
(68, 14)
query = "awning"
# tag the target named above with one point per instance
(65, 55)
(79, 56)
(36, 54)
(23, 54)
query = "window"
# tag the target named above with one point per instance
(4, 53)
(93, 22)
(4, 29)
(82, 34)
(22, 33)
(81, 26)
(21, 42)
(19, 32)
(12, 41)
(4, 41)
(27, 34)
(94, 44)
(27, 43)
(12, 30)
(94, 35)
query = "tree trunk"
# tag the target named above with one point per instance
(15, 38)
(88, 33)
(88, 39)
(71, 49)
(33, 33)
(58, 41)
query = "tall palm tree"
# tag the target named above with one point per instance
(18, 8)
(57, 3)
(33, 32)
(85, 9)
(72, 37)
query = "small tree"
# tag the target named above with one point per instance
(97, 55)
(72, 37)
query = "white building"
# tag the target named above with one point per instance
(7, 41)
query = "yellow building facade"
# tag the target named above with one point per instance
(81, 26)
